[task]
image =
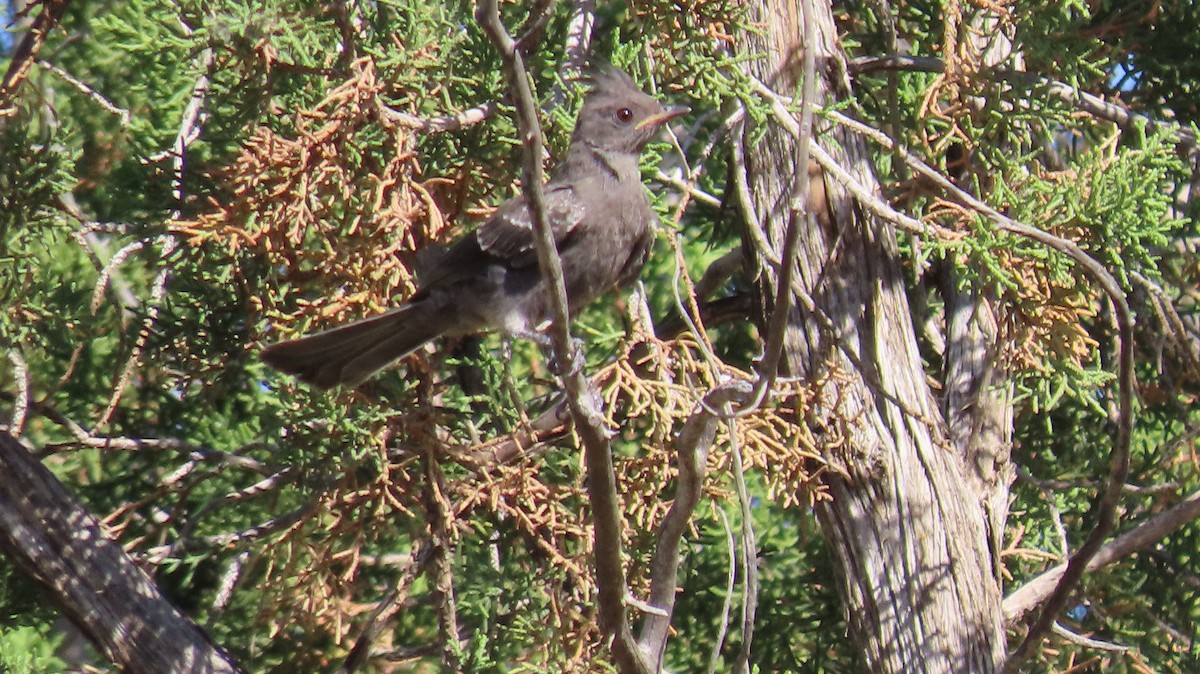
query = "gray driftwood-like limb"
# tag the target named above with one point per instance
(691, 447)
(58, 544)
(1031, 595)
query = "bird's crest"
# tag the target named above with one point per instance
(609, 79)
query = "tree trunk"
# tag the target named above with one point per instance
(908, 532)
(55, 541)
(977, 399)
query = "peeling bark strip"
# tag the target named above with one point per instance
(904, 524)
(54, 540)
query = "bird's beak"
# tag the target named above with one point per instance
(663, 117)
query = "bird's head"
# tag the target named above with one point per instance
(618, 117)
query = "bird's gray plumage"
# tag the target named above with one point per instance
(603, 228)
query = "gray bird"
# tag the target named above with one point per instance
(603, 228)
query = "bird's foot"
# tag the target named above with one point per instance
(539, 338)
(575, 360)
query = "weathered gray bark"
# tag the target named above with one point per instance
(53, 539)
(908, 532)
(978, 408)
(977, 399)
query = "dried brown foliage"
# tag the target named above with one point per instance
(319, 208)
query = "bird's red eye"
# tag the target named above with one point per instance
(624, 115)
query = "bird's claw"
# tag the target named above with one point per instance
(575, 360)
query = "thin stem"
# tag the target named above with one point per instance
(581, 400)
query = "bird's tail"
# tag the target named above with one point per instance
(349, 354)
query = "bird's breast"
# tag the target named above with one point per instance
(610, 250)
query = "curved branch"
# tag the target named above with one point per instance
(798, 214)
(691, 449)
(589, 423)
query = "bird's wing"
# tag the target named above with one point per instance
(507, 238)
(509, 233)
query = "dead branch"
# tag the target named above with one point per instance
(589, 422)
(450, 122)
(189, 131)
(392, 602)
(54, 540)
(798, 215)
(691, 448)
(121, 113)
(21, 399)
(1034, 592)
(1089, 103)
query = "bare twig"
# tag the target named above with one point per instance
(388, 606)
(691, 449)
(749, 547)
(578, 46)
(266, 485)
(1089, 103)
(16, 424)
(688, 187)
(589, 423)
(1086, 642)
(1172, 323)
(1055, 516)
(452, 122)
(727, 603)
(577, 49)
(284, 521)
(189, 130)
(719, 272)
(91, 93)
(549, 425)
(685, 179)
(110, 268)
(124, 444)
(798, 216)
(690, 313)
(1051, 485)
(876, 205)
(867, 64)
(229, 581)
(741, 186)
(442, 548)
